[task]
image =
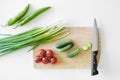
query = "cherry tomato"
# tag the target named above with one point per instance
(41, 53)
(45, 60)
(53, 60)
(49, 59)
(49, 53)
(37, 59)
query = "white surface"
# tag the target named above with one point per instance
(19, 65)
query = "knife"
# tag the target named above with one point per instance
(94, 70)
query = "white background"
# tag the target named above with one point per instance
(19, 65)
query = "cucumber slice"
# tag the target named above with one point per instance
(63, 43)
(67, 47)
(73, 53)
(86, 46)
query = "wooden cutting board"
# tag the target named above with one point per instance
(80, 36)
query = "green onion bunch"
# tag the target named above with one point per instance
(33, 37)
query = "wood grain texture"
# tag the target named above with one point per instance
(80, 36)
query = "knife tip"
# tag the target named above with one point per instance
(94, 19)
(95, 22)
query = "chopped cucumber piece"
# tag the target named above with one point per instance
(63, 43)
(67, 47)
(73, 53)
(86, 46)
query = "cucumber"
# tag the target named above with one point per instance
(73, 53)
(67, 47)
(63, 43)
(86, 46)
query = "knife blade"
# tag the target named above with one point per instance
(94, 70)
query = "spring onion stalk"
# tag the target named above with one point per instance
(5, 35)
(33, 37)
(47, 41)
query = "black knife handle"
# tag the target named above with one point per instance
(94, 63)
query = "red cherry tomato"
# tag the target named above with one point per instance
(49, 53)
(41, 53)
(44, 60)
(53, 60)
(37, 59)
(49, 59)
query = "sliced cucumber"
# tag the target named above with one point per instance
(73, 53)
(67, 47)
(63, 43)
(86, 46)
